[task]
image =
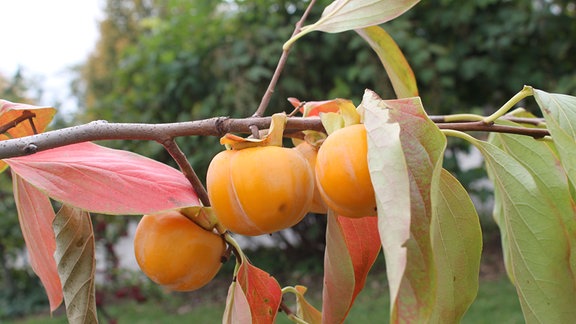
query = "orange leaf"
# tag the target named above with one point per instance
(35, 214)
(262, 292)
(14, 123)
(305, 310)
(314, 108)
(363, 242)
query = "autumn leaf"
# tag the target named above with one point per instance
(103, 180)
(352, 246)
(304, 309)
(262, 292)
(19, 120)
(35, 215)
(405, 151)
(75, 255)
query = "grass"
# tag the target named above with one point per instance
(496, 302)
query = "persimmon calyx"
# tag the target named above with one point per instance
(203, 217)
(272, 138)
(346, 115)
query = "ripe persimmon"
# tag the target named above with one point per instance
(310, 152)
(175, 252)
(259, 190)
(342, 174)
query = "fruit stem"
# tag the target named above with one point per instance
(236, 249)
(174, 150)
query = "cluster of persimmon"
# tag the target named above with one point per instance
(257, 187)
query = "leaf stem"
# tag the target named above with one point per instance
(525, 92)
(458, 134)
(280, 66)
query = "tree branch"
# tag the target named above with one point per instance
(217, 126)
(281, 63)
(172, 147)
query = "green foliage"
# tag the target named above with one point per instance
(475, 54)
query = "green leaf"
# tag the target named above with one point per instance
(541, 160)
(457, 244)
(539, 249)
(397, 67)
(75, 256)
(343, 15)
(405, 151)
(560, 113)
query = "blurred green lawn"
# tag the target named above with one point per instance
(496, 302)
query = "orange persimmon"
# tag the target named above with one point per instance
(310, 152)
(175, 252)
(259, 190)
(342, 174)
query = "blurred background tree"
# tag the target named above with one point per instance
(178, 60)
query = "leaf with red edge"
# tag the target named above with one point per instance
(237, 309)
(36, 214)
(352, 245)
(405, 152)
(397, 67)
(104, 180)
(19, 120)
(262, 291)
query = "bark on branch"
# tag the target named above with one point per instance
(217, 126)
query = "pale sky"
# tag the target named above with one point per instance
(45, 37)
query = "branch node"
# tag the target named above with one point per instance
(221, 128)
(30, 149)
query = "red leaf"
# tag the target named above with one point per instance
(262, 292)
(352, 246)
(363, 242)
(35, 214)
(104, 180)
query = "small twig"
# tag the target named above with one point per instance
(280, 67)
(172, 147)
(297, 109)
(26, 115)
(518, 120)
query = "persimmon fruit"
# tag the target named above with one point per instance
(310, 152)
(259, 190)
(175, 252)
(342, 174)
